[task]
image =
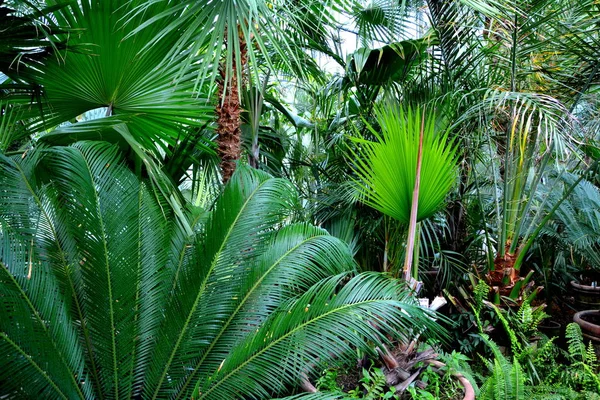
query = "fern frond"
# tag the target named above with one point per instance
(575, 343)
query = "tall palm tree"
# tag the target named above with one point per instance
(241, 42)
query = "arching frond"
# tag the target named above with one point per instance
(105, 294)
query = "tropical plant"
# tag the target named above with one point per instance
(506, 381)
(103, 75)
(373, 386)
(236, 43)
(585, 372)
(105, 293)
(28, 38)
(575, 379)
(408, 172)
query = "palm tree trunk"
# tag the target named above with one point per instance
(228, 112)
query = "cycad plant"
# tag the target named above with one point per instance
(104, 294)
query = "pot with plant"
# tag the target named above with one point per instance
(587, 291)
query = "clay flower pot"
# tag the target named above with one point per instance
(586, 296)
(589, 321)
(550, 328)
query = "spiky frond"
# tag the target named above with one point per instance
(105, 294)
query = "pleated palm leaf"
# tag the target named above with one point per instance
(103, 294)
(237, 42)
(110, 72)
(387, 168)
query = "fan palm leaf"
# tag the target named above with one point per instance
(104, 294)
(387, 170)
(113, 74)
(272, 32)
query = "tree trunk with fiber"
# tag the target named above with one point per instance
(228, 111)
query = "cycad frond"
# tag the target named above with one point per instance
(312, 319)
(105, 294)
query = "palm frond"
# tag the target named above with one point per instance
(324, 308)
(388, 170)
(114, 74)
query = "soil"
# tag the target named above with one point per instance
(593, 319)
(562, 312)
(349, 380)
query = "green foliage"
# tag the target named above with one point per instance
(393, 62)
(110, 76)
(585, 362)
(105, 294)
(577, 379)
(457, 362)
(387, 167)
(373, 386)
(327, 382)
(506, 380)
(437, 386)
(28, 38)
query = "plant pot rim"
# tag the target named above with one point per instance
(468, 390)
(550, 324)
(586, 288)
(586, 325)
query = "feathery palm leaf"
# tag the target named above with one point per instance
(272, 31)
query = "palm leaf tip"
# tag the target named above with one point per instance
(386, 170)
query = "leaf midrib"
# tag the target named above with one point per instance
(271, 344)
(250, 292)
(202, 288)
(71, 284)
(108, 276)
(33, 363)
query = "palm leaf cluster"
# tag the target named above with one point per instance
(110, 78)
(105, 294)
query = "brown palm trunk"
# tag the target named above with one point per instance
(228, 112)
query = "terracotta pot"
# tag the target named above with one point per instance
(468, 391)
(589, 321)
(586, 297)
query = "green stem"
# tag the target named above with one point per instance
(535, 233)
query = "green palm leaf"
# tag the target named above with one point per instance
(387, 169)
(104, 294)
(272, 358)
(272, 31)
(115, 76)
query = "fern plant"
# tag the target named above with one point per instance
(577, 380)
(373, 386)
(105, 294)
(506, 380)
(585, 362)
